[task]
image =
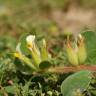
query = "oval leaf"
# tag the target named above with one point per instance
(45, 65)
(10, 89)
(90, 39)
(23, 67)
(79, 80)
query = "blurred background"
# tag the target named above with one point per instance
(52, 16)
(48, 18)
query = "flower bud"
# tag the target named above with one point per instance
(72, 54)
(44, 51)
(82, 54)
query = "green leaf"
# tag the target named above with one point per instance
(22, 67)
(45, 65)
(9, 89)
(79, 80)
(90, 40)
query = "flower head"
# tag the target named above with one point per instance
(76, 54)
(31, 44)
(33, 48)
(30, 40)
(18, 52)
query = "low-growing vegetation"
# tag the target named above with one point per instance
(47, 48)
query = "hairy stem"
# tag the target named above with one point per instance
(68, 69)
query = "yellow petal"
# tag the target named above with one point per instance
(17, 55)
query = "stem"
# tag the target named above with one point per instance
(72, 69)
(4, 92)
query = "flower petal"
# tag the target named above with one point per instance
(18, 48)
(30, 39)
